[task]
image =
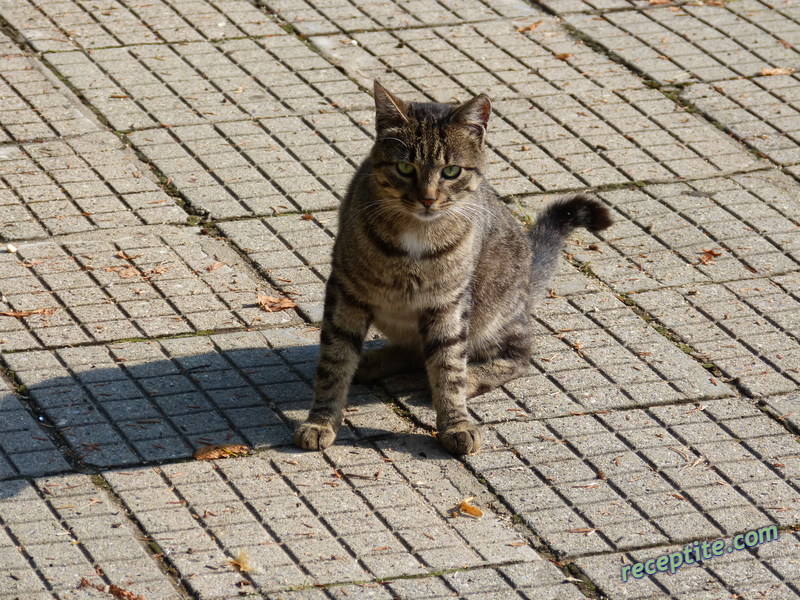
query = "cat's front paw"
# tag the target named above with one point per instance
(464, 438)
(314, 436)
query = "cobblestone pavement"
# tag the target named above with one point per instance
(165, 162)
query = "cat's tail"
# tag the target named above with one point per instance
(553, 225)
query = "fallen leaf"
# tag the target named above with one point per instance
(708, 256)
(215, 451)
(563, 56)
(307, 217)
(124, 256)
(530, 27)
(27, 313)
(241, 562)
(157, 270)
(114, 590)
(214, 266)
(468, 509)
(271, 304)
(778, 71)
(583, 530)
(124, 271)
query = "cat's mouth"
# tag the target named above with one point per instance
(426, 214)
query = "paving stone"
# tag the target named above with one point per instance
(70, 24)
(157, 85)
(291, 530)
(714, 230)
(314, 18)
(160, 282)
(563, 122)
(131, 402)
(738, 573)
(292, 251)
(705, 43)
(632, 479)
(33, 106)
(25, 449)
(785, 407)
(85, 183)
(65, 528)
(622, 441)
(760, 115)
(742, 54)
(742, 340)
(246, 169)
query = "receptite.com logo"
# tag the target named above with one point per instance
(698, 552)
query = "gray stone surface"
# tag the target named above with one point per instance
(163, 163)
(34, 107)
(736, 62)
(82, 183)
(26, 448)
(311, 519)
(59, 530)
(161, 282)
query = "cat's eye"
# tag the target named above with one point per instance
(451, 171)
(405, 168)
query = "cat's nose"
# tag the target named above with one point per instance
(426, 202)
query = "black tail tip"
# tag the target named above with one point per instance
(582, 211)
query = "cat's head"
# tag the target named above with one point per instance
(428, 158)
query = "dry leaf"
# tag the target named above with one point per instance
(708, 256)
(214, 266)
(27, 313)
(157, 270)
(271, 304)
(114, 590)
(215, 451)
(307, 217)
(778, 71)
(124, 271)
(563, 56)
(468, 509)
(241, 562)
(530, 27)
(124, 256)
(583, 530)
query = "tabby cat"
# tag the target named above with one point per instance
(428, 253)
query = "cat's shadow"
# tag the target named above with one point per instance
(125, 410)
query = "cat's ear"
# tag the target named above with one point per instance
(389, 109)
(474, 114)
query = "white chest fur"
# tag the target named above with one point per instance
(413, 243)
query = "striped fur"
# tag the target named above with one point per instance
(428, 254)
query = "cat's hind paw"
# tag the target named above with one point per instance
(464, 438)
(314, 436)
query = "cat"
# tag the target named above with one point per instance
(428, 254)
